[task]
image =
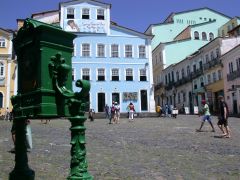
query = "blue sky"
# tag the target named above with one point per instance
(134, 14)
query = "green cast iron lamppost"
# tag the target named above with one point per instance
(45, 91)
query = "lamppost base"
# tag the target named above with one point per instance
(20, 175)
(85, 176)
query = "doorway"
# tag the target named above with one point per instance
(101, 102)
(115, 97)
(144, 104)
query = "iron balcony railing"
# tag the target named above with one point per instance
(212, 63)
(233, 75)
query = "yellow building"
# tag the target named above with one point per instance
(8, 69)
(224, 30)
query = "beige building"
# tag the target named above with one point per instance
(7, 69)
(231, 74)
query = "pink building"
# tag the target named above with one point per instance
(231, 75)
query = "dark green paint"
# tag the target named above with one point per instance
(45, 91)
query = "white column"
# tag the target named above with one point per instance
(8, 83)
(151, 85)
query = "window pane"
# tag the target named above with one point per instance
(100, 14)
(114, 50)
(85, 13)
(128, 51)
(85, 50)
(70, 13)
(101, 50)
(142, 52)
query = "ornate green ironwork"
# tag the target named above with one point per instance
(76, 103)
(43, 94)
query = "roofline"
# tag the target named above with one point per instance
(171, 42)
(199, 24)
(140, 33)
(230, 51)
(110, 5)
(10, 31)
(45, 12)
(202, 9)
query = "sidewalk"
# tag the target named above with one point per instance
(147, 149)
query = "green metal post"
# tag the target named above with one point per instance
(21, 170)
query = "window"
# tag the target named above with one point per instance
(196, 35)
(101, 74)
(238, 63)
(194, 68)
(230, 66)
(188, 70)
(219, 74)
(183, 73)
(184, 96)
(212, 55)
(172, 76)
(214, 76)
(86, 50)
(70, 13)
(85, 13)
(86, 74)
(179, 97)
(73, 74)
(101, 50)
(143, 75)
(209, 78)
(129, 75)
(211, 36)
(201, 82)
(204, 36)
(114, 51)
(2, 42)
(142, 51)
(1, 69)
(177, 75)
(115, 74)
(218, 52)
(206, 58)
(200, 65)
(223, 34)
(128, 51)
(195, 85)
(166, 79)
(100, 14)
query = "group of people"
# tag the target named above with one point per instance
(113, 112)
(222, 117)
(167, 111)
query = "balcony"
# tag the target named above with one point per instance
(169, 86)
(212, 63)
(158, 86)
(233, 75)
(196, 74)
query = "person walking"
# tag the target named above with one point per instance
(223, 117)
(206, 116)
(117, 112)
(131, 111)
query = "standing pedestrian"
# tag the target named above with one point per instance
(223, 117)
(131, 111)
(112, 115)
(206, 116)
(90, 114)
(7, 115)
(107, 113)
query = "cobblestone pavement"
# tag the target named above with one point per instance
(147, 149)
